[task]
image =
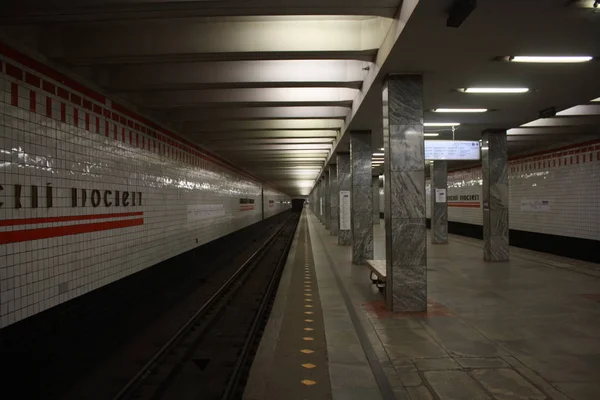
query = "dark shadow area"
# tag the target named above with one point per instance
(44, 355)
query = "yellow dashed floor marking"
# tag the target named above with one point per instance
(308, 338)
(308, 382)
(308, 329)
(309, 320)
(306, 351)
(309, 366)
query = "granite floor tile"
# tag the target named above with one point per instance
(433, 364)
(419, 393)
(455, 385)
(506, 384)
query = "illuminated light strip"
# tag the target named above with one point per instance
(47, 233)
(465, 205)
(69, 218)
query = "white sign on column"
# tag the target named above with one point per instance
(440, 195)
(321, 206)
(344, 210)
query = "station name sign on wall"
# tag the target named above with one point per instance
(34, 196)
(451, 150)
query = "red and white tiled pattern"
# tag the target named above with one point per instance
(91, 192)
(567, 178)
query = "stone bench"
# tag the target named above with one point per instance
(378, 273)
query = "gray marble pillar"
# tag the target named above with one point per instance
(327, 205)
(343, 178)
(376, 218)
(494, 162)
(439, 202)
(404, 171)
(333, 201)
(320, 200)
(362, 196)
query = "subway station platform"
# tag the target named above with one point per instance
(525, 329)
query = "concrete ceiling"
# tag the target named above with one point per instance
(274, 86)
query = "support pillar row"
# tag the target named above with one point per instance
(494, 163)
(404, 171)
(376, 200)
(344, 199)
(333, 200)
(439, 202)
(362, 197)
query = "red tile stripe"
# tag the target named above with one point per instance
(465, 205)
(67, 218)
(159, 132)
(47, 233)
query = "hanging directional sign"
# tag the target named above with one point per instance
(451, 150)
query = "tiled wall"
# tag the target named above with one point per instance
(555, 193)
(91, 192)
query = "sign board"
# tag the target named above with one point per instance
(204, 211)
(535, 205)
(344, 210)
(440, 195)
(451, 150)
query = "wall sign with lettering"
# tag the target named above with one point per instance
(345, 210)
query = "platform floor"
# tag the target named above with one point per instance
(526, 329)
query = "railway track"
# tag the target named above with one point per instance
(210, 355)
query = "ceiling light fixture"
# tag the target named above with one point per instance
(378, 154)
(460, 110)
(441, 124)
(431, 134)
(495, 90)
(551, 59)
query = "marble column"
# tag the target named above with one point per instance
(327, 205)
(333, 201)
(343, 178)
(320, 200)
(404, 171)
(494, 162)
(439, 202)
(376, 218)
(362, 196)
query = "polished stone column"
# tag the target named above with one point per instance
(343, 178)
(333, 201)
(376, 218)
(404, 171)
(362, 196)
(439, 202)
(320, 200)
(326, 204)
(494, 162)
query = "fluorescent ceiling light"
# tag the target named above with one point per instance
(431, 134)
(441, 124)
(551, 59)
(382, 149)
(596, 100)
(378, 154)
(495, 90)
(460, 110)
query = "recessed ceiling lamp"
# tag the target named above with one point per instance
(550, 59)
(494, 90)
(431, 134)
(441, 124)
(460, 110)
(378, 154)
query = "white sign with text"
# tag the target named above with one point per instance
(451, 150)
(344, 210)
